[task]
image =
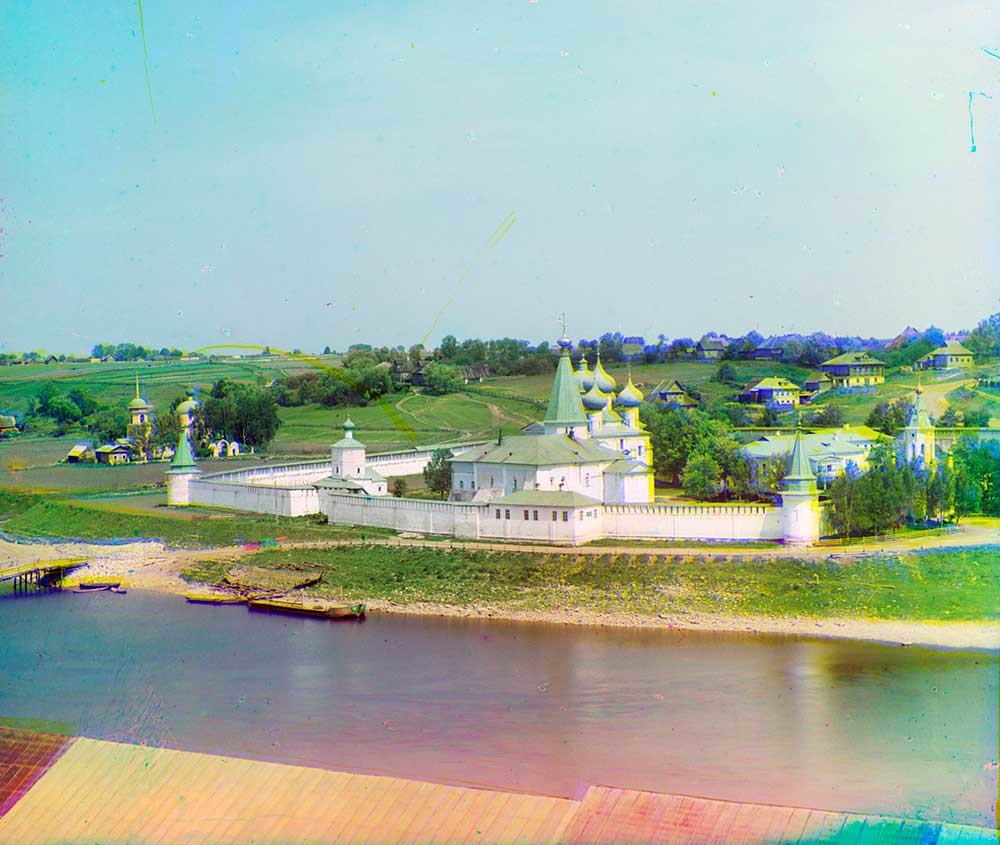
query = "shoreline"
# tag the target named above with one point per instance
(156, 567)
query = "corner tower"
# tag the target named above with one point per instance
(799, 498)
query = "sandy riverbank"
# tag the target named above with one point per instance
(154, 566)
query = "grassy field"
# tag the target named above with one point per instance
(942, 585)
(402, 420)
(161, 380)
(103, 520)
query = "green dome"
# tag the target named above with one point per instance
(139, 404)
(188, 406)
(348, 425)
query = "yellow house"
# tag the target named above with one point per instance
(854, 369)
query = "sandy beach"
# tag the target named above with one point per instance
(154, 566)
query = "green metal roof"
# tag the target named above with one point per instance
(550, 498)
(538, 450)
(183, 460)
(951, 348)
(349, 443)
(861, 358)
(565, 407)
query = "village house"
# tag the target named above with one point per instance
(114, 453)
(773, 391)
(709, 349)
(770, 350)
(670, 393)
(950, 356)
(82, 453)
(7, 424)
(854, 369)
(817, 383)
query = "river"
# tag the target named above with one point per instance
(542, 708)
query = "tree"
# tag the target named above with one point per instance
(448, 348)
(442, 378)
(831, 416)
(702, 476)
(109, 423)
(83, 400)
(437, 473)
(46, 392)
(63, 410)
(399, 487)
(326, 350)
(725, 373)
(241, 412)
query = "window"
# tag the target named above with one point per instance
(586, 480)
(534, 515)
(472, 484)
(461, 485)
(506, 513)
(525, 514)
(565, 516)
(555, 515)
(581, 515)
(498, 513)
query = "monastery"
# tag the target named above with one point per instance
(583, 473)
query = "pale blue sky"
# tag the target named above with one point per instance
(331, 173)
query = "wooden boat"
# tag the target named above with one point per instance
(214, 598)
(99, 583)
(354, 611)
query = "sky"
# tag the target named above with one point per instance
(303, 175)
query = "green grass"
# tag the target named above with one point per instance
(45, 726)
(946, 585)
(85, 521)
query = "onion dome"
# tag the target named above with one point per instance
(348, 425)
(594, 399)
(188, 406)
(602, 380)
(584, 378)
(630, 397)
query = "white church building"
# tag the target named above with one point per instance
(583, 473)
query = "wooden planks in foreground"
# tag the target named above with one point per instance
(109, 792)
(609, 815)
(106, 792)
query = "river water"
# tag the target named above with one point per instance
(541, 708)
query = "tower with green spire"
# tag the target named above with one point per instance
(916, 440)
(183, 470)
(800, 513)
(564, 414)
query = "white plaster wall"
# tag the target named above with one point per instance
(722, 522)
(287, 501)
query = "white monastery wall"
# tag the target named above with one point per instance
(490, 520)
(693, 522)
(285, 500)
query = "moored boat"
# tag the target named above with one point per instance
(99, 583)
(214, 598)
(354, 611)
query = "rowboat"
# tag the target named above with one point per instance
(354, 611)
(214, 598)
(99, 583)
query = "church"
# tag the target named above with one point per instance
(590, 443)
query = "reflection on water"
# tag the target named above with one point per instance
(850, 726)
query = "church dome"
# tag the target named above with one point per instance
(630, 396)
(139, 404)
(594, 399)
(602, 379)
(584, 378)
(188, 406)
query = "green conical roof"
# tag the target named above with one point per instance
(184, 458)
(564, 401)
(919, 417)
(800, 477)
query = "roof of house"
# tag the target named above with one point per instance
(951, 348)
(80, 448)
(550, 498)
(538, 450)
(8, 422)
(710, 343)
(839, 442)
(853, 358)
(112, 447)
(625, 466)
(770, 383)
(818, 377)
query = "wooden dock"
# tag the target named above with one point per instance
(40, 575)
(84, 790)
